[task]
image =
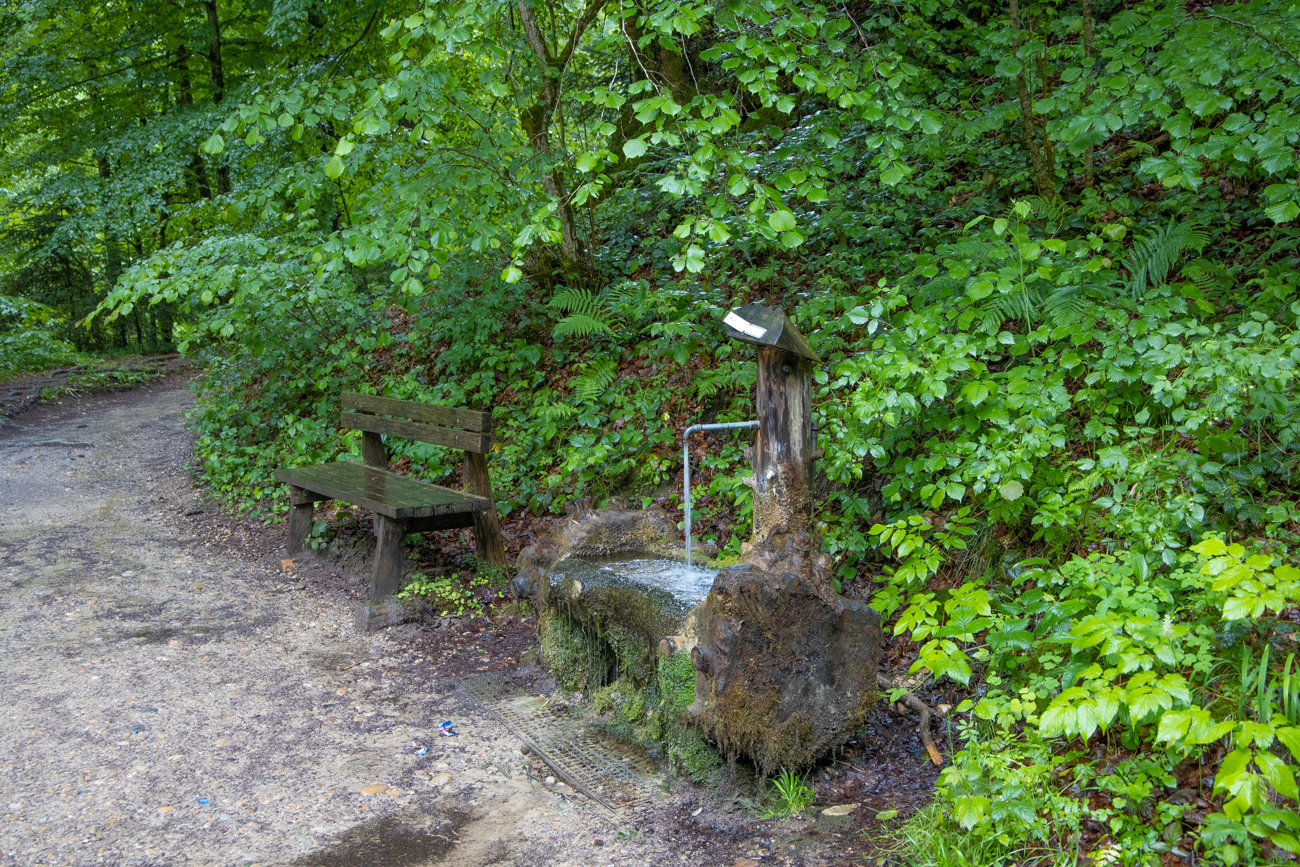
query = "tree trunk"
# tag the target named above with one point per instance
(785, 666)
(536, 121)
(166, 325)
(1039, 163)
(198, 170)
(112, 244)
(218, 79)
(1090, 155)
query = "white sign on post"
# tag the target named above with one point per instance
(744, 327)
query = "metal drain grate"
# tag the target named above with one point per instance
(585, 758)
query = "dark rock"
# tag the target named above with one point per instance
(785, 667)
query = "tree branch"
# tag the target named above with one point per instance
(1256, 31)
(584, 21)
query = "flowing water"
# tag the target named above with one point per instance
(671, 584)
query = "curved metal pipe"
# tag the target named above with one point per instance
(686, 468)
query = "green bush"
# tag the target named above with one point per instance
(446, 594)
(27, 339)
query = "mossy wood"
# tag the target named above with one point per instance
(785, 666)
(783, 450)
(785, 670)
(401, 504)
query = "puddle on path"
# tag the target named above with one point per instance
(391, 842)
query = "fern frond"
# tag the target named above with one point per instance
(730, 376)
(1203, 272)
(1021, 305)
(1155, 255)
(1048, 210)
(580, 325)
(1126, 23)
(570, 299)
(587, 313)
(555, 411)
(1066, 305)
(593, 382)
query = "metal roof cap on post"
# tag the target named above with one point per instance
(756, 324)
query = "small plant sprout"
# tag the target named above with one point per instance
(789, 795)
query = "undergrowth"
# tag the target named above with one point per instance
(28, 339)
(452, 594)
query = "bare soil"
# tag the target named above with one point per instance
(174, 694)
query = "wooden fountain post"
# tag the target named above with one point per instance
(783, 452)
(785, 667)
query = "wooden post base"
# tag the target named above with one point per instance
(489, 544)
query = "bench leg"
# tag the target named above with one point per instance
(489, 545)
(386, 581)
(300, 518)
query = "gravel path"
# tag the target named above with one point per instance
(169, 701)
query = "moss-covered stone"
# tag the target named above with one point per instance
(576, 661)
(593, 637)
(677, 681)
(786, 667)
(654, 716)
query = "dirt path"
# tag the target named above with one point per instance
(169, 702)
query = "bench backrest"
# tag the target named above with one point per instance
(465, 429)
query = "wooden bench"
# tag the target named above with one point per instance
(401, 504)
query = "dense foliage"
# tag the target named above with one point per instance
(1048, 251)
(28, 339)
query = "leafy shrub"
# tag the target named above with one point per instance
(27, 339)
(446, 594)
(1138, 654)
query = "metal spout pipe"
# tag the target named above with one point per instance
(686, 468)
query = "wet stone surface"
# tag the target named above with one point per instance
(172, 695)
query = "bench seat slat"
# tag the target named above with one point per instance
(414, 430)
(382, 491)
(442, 416)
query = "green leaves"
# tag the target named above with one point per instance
(782, 221)
(1249, 586)
(1011, 490)
(976, 392)
(634, 148)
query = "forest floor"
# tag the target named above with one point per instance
(175, 694)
